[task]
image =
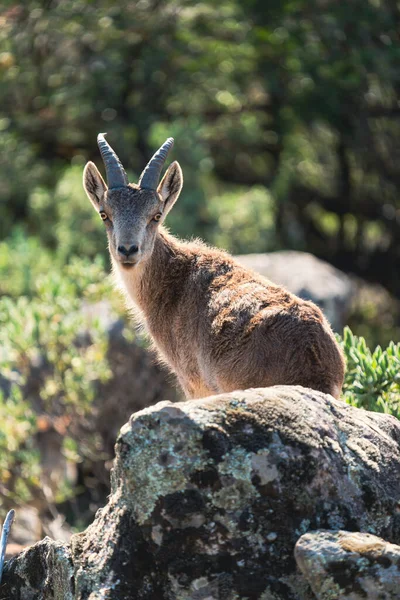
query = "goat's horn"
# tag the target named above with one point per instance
(151, 175)
(116, 176)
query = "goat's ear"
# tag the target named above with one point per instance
(94, 184)
(170, 186)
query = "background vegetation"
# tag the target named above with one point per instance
(287, 125)
(287, 110)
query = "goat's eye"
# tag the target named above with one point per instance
(103, 215)
(157, 217)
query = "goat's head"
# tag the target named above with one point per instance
(132, 213)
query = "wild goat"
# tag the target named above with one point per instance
(219, 326)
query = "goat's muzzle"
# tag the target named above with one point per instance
(128, 254)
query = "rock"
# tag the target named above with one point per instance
(209, 497)
(349, 566)
(308, 277)
(42, 572)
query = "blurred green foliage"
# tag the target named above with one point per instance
(22, 260)
(64, 221)
(298, 98)
(372, 377)
(19, 458)
(374, 314)
(53, 354)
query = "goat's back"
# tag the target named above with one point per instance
(228, 328)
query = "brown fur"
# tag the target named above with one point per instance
(218, 326)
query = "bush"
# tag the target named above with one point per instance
(372, 379)
(53, 355)
(19, 459)
(22, 260)
(243, 220)
(64, 219)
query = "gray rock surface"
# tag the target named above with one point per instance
(209, 497)
(349, 566)
(308, 277)
(42, 572)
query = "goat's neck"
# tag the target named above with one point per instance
(152, 283)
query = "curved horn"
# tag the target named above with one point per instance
(116, 176)
(151, 175)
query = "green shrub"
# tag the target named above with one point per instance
(64, 219)
(243, 220)
(22, 260)
(372, 379)
(53, 355)
(19, 459)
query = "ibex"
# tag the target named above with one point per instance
(219, 327)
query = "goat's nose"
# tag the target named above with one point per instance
(128, 251)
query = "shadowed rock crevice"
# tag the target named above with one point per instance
(209, 497)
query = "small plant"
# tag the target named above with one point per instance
(372, 378)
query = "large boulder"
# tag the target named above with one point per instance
(308, 277)
(209, 498)
(349, 566)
